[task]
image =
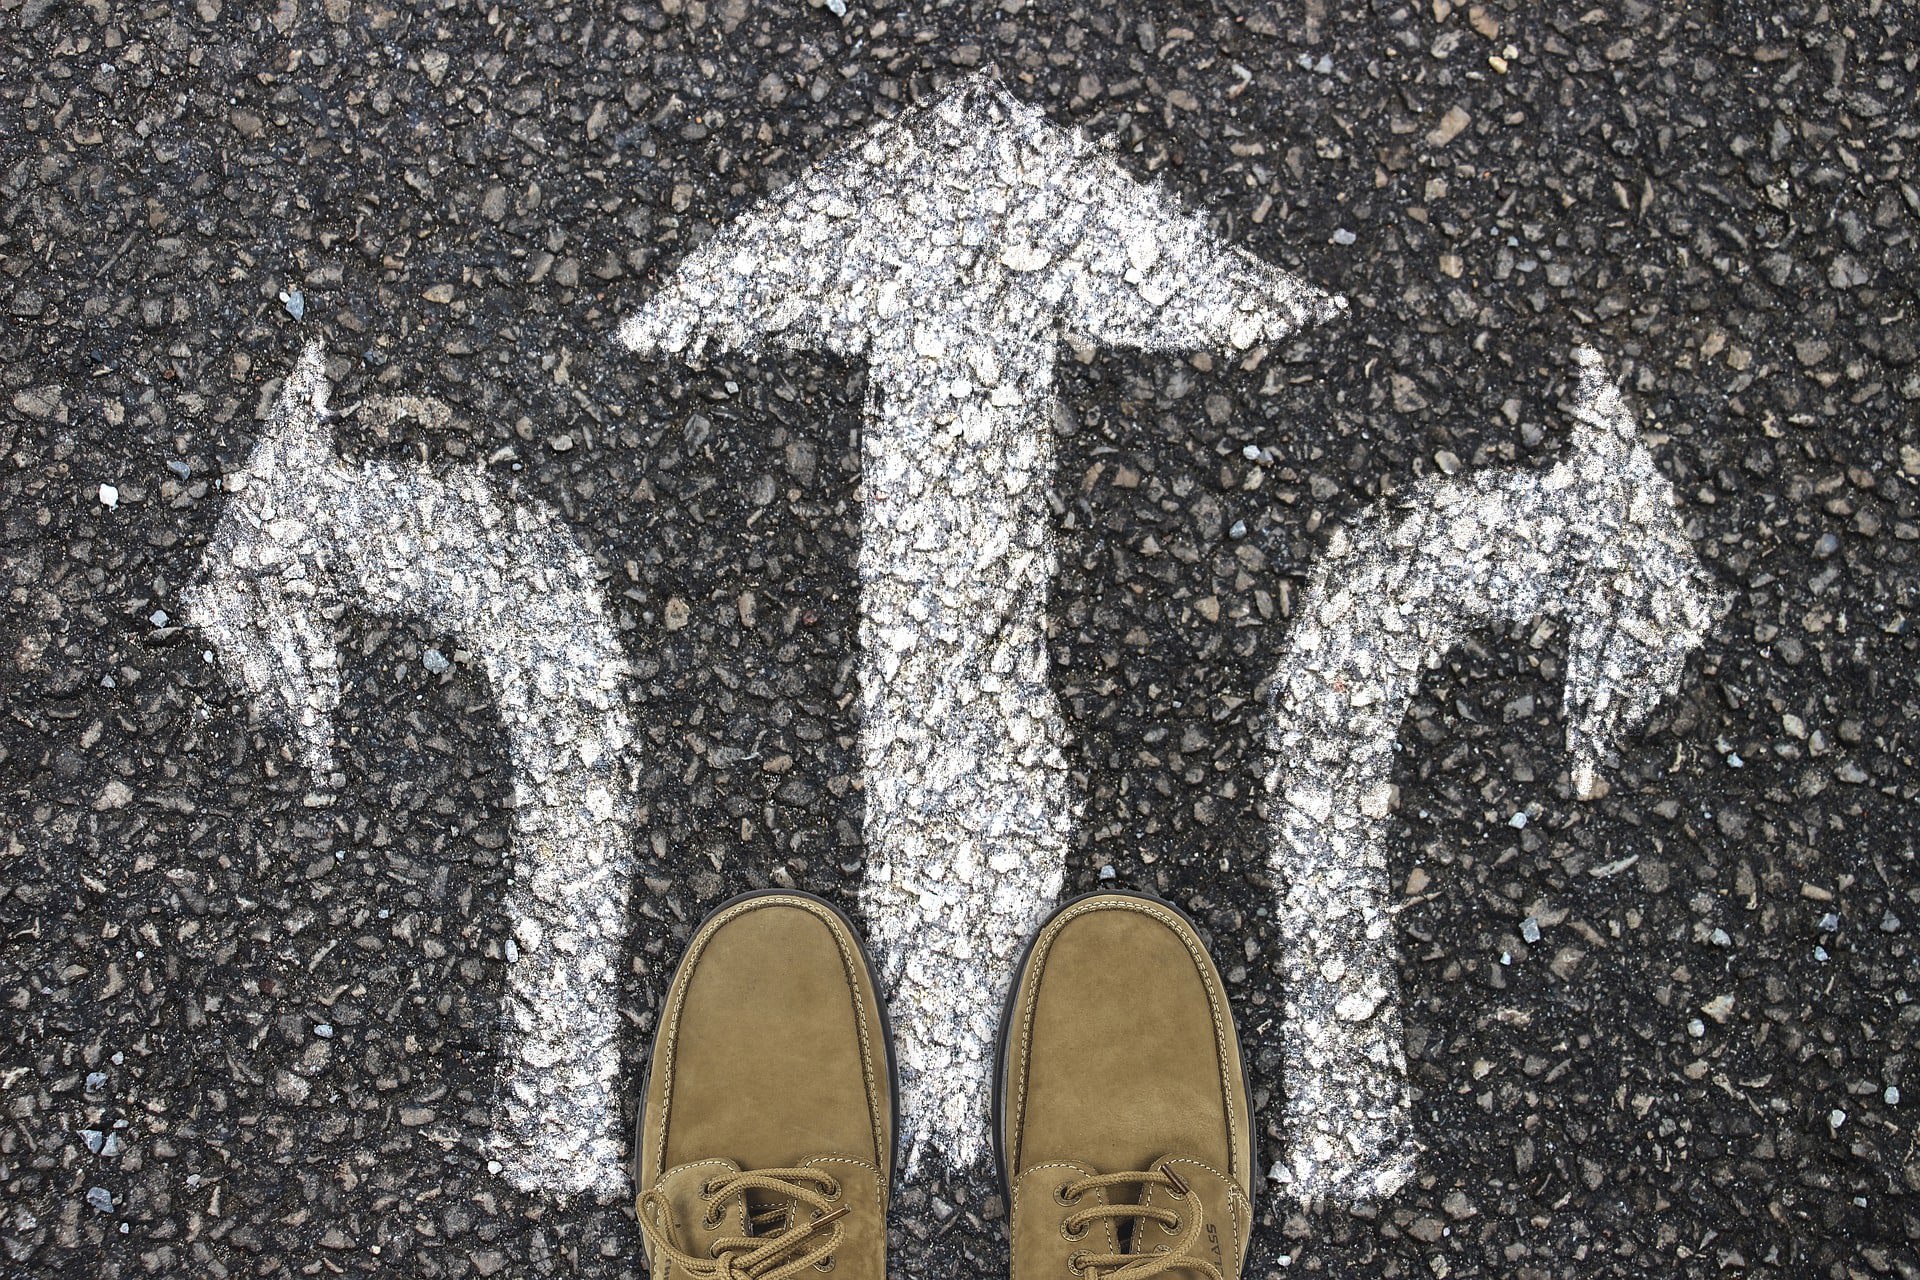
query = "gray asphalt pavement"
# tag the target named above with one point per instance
(251, 1029)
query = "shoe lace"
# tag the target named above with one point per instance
(786, 1193)
(1137, 1266)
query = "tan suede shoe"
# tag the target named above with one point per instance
(766, 1143)
(1122, 1117)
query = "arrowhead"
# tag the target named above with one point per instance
(969, 225)
(1645, 600)
(255, 599)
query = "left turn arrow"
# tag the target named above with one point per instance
(307, 536)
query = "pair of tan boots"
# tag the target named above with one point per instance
(1122, 1121)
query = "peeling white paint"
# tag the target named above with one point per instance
(1595, 541)
(952, 249)
(305, 536)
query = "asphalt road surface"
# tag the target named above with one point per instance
(251, 1027)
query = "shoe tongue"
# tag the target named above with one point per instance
(768, 1213)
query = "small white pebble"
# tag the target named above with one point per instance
(1892, 1095)
(1343, 236)
(109, 496)
(1836, 1117)
(1518, 821)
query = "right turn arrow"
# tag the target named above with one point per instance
(951, 249)
(1594, 541)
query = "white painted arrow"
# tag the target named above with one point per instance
(1595, 541)
(951, 248)
(306, 536)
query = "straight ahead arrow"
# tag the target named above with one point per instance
(951, 249)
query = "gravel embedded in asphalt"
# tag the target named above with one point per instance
(463, 204)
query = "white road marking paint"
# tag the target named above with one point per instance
(304, 537)
(952, 248)
(1595, 541)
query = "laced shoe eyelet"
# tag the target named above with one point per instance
(1060, 1196)
(1175, 1224)
(834, 1189)
(1076, 1262)
(825, 1264)
(1073, 1232)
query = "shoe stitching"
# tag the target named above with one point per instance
(1035, 969)
(683, 978)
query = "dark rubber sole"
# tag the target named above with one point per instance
(879, 999)
(1006, 1021)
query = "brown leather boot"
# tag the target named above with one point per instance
(1122, 1118)
(766, 1141)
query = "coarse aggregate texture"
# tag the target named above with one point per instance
(1693, 1066)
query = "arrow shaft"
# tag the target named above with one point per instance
(1346, 691)
(1388, 599)
(521, 594)
(967, 807)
